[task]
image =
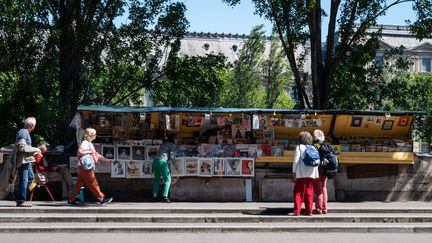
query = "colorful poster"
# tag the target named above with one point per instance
(219, 166)
(147, 169)
(266, 149)
(255, 122)
(191, 165)
(178, 167)
(133, 169)
(403, 121)
(204, 150)
(233, 167)
(247, 167)
(118, 169)
(205, 167)
(246, 123)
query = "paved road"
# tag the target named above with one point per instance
(216, 238)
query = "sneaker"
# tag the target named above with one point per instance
(24, 204)
(166, 200)
(106, 201)
(72, 203)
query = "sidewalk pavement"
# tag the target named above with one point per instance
(231, 205)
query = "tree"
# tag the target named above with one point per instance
(72, 51)
(259, 80)
(193, 81)
(299, 23)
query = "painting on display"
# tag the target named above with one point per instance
(103, 167)
(387, 125)
(204, 150)
(118, 169)
(133, 169)
(219, 166)
(255, 122)
(193, 121)
(205, 167)
(124, 152)
(147, 169)
(138, 152)
(108, 151)
(191, 166)
(403, 121)
(151, 151)
(216, 150)
(247, 167)
(356, 121)
(172, 122)
(233, 167)
(246, 122)
(237, 132)
(262, 122)
(178, 167)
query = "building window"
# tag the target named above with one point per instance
(426, 65)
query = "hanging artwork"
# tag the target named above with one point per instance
(118, 169)
(266, 149)
(123, 152)
(236, 132)
(262, 122)
(216, 150)
(269, 134)
(255, 122)
(387, 125)
(138, 152)
(73, 164)
(378, 121)
(247, 167)
(172, 122)
(102, 167)
(205, 167)
(178, 167)
(246, 123)
(356, 121)
(191, 166)
(204, 150)
(221, 121)
(108, 151)
(133, 169)
(147, 169)
(151, 152)
(193, 121)
(233, 167)
(403, 121)
(219, 166)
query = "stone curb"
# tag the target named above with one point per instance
(220, 229)
(214, 219)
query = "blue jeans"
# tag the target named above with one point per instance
(25, 176)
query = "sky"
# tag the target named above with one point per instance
(215, 16)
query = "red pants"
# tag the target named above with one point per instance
(320, 188)
(303, 191)
(87, 178)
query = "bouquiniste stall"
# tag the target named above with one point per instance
(230, 154)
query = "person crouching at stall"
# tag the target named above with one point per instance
(87, 158)
(167, 152)
(304, 175)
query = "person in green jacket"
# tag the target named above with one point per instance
(166, 155)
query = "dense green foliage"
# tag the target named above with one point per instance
(59, 54)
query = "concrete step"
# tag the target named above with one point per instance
(213, 228)
(213, 218)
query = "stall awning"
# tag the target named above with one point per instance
(102, 108)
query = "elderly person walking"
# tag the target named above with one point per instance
(25, 156)
(304, 176)
(320, 184)
(86, 176)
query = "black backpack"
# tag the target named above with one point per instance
(329, 161)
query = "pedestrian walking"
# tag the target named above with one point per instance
(24, 155)
(161, 168)
(88, 157)
(303, 175)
